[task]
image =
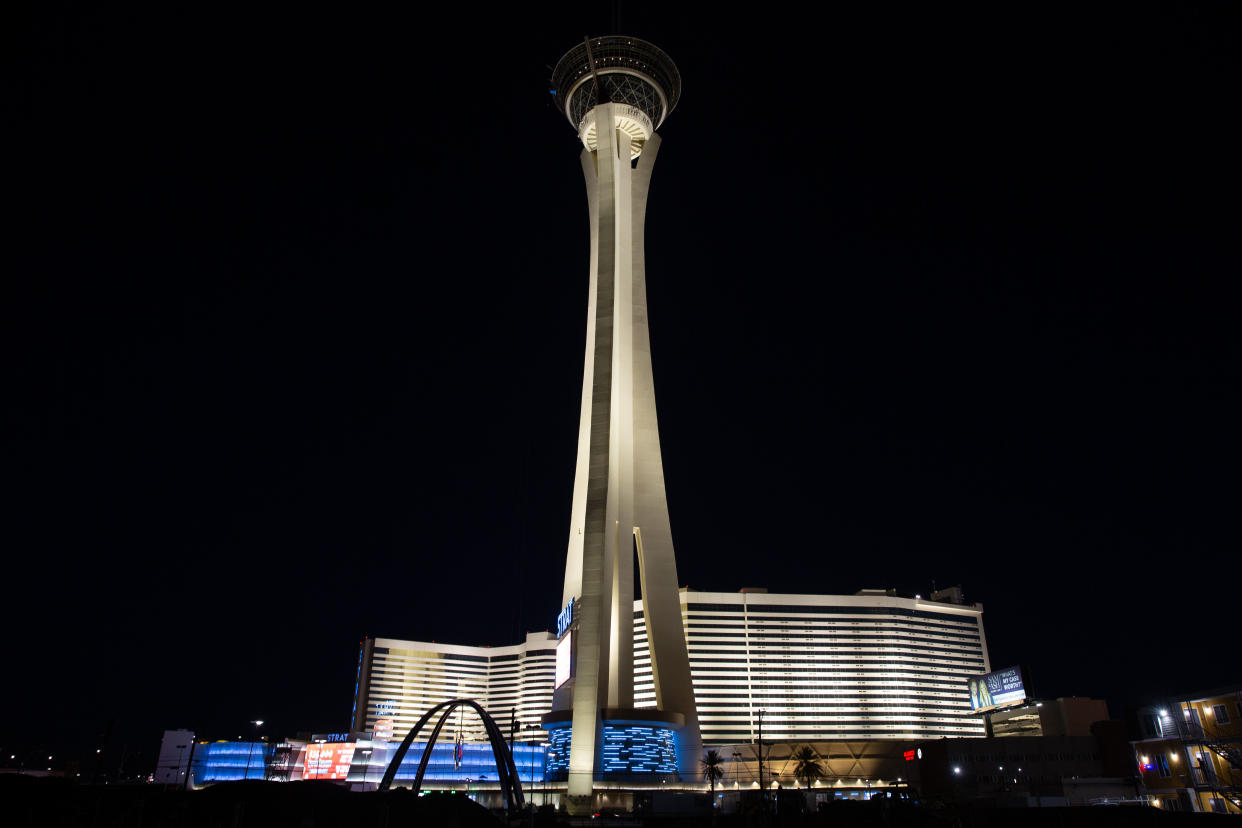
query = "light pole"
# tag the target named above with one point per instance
(255, 725)
(763, 793)
(532, 745)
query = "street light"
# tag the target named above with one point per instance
(532, 745)
(257, 723)
(763, 793)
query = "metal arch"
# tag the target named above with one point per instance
(399, 756)
(506, 771)
(431, 742)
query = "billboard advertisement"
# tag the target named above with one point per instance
(564, 660)
(328, 761)
(1000, 688)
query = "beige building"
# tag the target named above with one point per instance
(1190, 756)
(1066, 716)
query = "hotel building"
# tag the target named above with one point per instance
(814, 667)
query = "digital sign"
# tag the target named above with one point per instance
(328, 761)
(382, 729)
(1001, 688)
(564, 660)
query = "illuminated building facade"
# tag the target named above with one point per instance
(837, 667)
(401, 680)
(1190, 756)
(820, 667)
(359, 763)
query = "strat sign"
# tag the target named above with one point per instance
(1002, 688)
(565, 619)
(328, 761)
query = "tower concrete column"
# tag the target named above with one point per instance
(614, 95)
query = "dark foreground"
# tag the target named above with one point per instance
(27, 801)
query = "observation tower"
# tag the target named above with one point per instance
(616, 91)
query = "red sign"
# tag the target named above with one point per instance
(909, 754)
(329, 761)
(382, 729)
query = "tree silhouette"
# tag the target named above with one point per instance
(712, 768)
(808, 766)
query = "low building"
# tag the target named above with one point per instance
(1066, 716)
(173, 762)
(840, 769)
(1029, 771)
(356, 761)
(1189, 754)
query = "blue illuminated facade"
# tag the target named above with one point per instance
(633, 749)
(558, 753)
(229, 761)
(477, 763)
(233, 761)
(630, 752)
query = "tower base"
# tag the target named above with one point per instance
(635, 745)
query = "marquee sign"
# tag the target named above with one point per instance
(328, 761)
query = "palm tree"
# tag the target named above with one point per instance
(713, 768)
(808, 766)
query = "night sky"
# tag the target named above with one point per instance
(295, 308)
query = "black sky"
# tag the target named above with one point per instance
(295, 310)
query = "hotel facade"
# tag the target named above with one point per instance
(803, 668)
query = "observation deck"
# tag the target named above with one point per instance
(621, 69)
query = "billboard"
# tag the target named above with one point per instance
(564, 660)
(328, 761)
(1000, 688)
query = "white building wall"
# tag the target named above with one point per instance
(826, 666)
(821, 667)
(174, 758)
(408, 678)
